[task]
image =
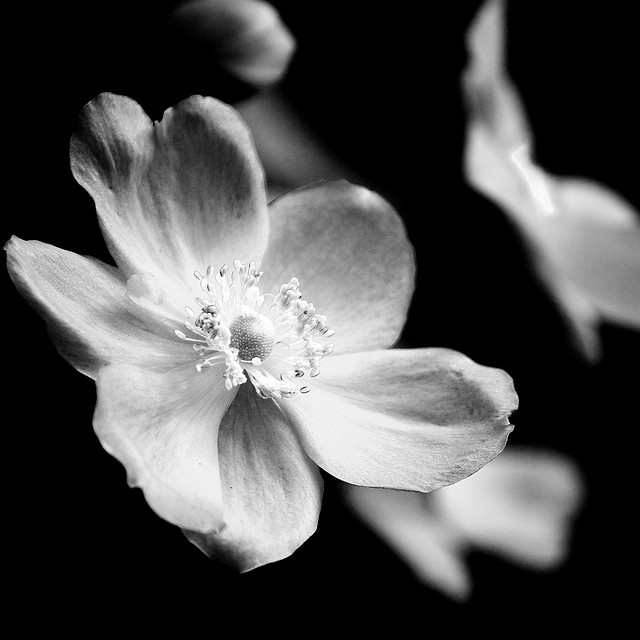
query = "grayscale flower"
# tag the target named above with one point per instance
(584, 237)
(519, 507)
(223, 386)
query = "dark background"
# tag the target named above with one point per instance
(380, 83)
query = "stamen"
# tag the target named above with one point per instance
(273, 345)
(208, 320)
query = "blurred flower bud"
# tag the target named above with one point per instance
(245, 38)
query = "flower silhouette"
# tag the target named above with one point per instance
(520, 507)
(239, 347)
(584, 238)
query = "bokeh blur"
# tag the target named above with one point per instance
(377, 87)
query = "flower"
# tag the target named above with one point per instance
(584, 238)
(223, 387)
(245, 38)
(520, 507)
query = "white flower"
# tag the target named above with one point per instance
(584, 238)
(239, 347)
(520, 507)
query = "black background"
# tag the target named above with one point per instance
(380, 83)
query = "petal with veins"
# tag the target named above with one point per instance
(164, 429)
(271, 490)
(349, 249)
(174, 196)
(414, 419)
(88, 314)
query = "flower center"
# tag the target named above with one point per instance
(253, 335)
(273, 343)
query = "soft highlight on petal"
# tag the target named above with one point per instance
(89, 317)
(173, 196)
(349, 249)
(271, 490)
(164, 429)
(415, 419)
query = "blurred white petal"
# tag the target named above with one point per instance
(401, 520)
(520, 506)
(291, 153)
(246, 38)
(584, 238)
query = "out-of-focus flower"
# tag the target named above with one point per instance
(584, 238)
(207, 368)
(246, 38)
(290, 151)
(519, 507)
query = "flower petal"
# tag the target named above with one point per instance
(414, 419)
(164, 428)
(595, 243)
(518, 506)
(431, 549)
(271, 490)
(585, 239)
(580, 314)
(174, 196)
(89, 317)
(499, 143)
(292, 153)
(349, 249)
(491, 97)
(245, 37)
